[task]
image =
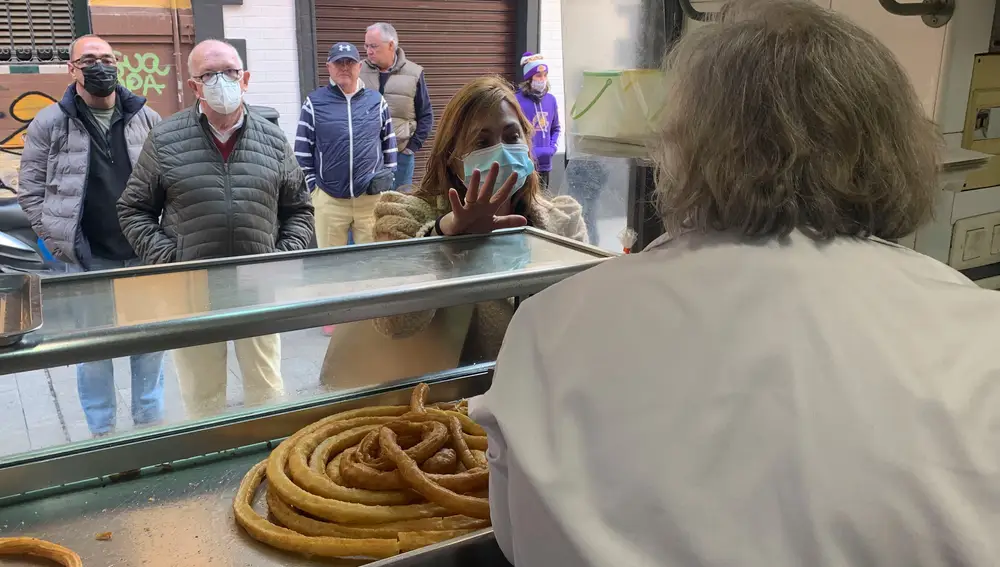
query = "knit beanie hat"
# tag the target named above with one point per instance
(533, 63)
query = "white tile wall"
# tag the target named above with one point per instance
(967, 34)
(268, 26)
(550, 43)
(938, 61)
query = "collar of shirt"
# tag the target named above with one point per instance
(224, 136)
(361, 85)
(83, 108)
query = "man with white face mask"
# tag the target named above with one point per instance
(213, 181)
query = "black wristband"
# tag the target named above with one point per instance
(437, 226)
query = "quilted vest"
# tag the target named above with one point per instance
(404, 75)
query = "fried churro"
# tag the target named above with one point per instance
(31, 547)
(372, 482)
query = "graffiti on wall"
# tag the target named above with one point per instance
(23, 109)
(22, 96)
(142, 73)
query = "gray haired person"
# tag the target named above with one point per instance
(774, 383)
(217, 180)
(404, 87)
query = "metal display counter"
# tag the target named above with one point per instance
(181, 513)
(99, 315)
(166, 493)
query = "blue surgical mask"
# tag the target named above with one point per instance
(512, 158)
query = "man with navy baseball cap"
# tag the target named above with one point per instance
(346, 147)
(343, 51)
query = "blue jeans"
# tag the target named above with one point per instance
(95, 381)
(404, 170)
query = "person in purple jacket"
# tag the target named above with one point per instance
(542, 110)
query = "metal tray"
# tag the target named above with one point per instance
(20, 306)
(479, 549)
(182, 515)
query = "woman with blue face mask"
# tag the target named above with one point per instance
(480, 177)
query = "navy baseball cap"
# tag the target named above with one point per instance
(343, 50)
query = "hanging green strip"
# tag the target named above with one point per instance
(573, 113)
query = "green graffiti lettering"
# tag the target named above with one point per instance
(139, 73)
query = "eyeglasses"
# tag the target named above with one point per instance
(210, 79)
(372, 46)
(90, 61)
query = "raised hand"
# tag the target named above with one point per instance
(478, 214)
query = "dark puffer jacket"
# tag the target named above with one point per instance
(255, 203)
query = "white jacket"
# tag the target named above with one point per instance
(715, 403)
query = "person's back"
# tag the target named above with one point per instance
(754, 405)
(779, 386)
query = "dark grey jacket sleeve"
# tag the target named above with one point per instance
(296, 222)
(32, 175)
(140, 207)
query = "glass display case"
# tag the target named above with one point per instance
(165, 489)
(614, 96)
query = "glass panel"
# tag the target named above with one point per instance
(48, 408)
(600, 185)
(51, 407)
(90, 304)
(599, 64)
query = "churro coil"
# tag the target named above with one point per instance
(31, 547)
(372, 482)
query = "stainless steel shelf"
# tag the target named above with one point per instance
(184, 517)
(96, 316)
(181, 513)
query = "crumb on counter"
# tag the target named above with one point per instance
(103, 536)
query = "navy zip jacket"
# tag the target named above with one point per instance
(343, 141)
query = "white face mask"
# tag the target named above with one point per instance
(538, 85)
(223, 97)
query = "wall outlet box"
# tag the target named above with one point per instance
(975, 242)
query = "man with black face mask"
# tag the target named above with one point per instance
(78, 156)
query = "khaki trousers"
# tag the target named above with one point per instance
(335, 217)
(202, 373)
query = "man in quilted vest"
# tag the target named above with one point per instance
(77, 158)
(402, 83)
(217, 180)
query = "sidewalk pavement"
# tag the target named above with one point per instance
(41, 409)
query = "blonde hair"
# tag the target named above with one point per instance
(783, 115)
(460, 124)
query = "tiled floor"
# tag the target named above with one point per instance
(41, 409)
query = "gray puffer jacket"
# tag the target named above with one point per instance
(53, 176)
(254, 203)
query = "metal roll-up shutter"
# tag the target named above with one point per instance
(454, 40)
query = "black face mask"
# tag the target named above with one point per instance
(99, 79)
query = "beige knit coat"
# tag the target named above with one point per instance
(399, 216)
